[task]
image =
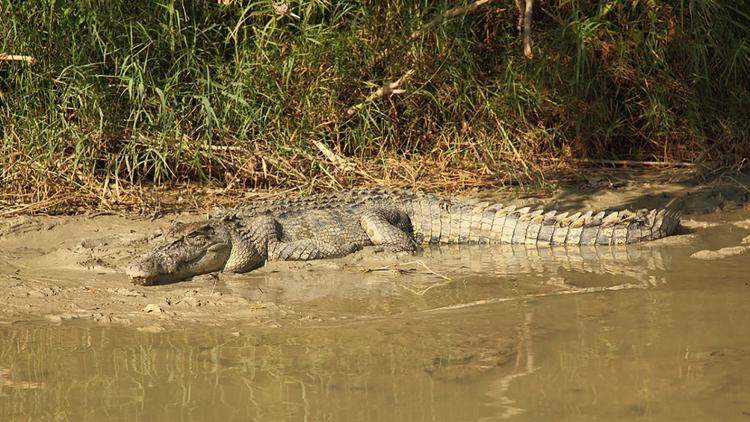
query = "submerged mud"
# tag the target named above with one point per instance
(655, 331)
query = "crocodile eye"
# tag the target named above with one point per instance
(196, 239)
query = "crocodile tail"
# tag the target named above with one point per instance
(655, 224)
(642, 225)
(614, 228)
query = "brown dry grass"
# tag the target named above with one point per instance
(276, 176)
(265, 175)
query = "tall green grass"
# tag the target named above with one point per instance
(202, 90)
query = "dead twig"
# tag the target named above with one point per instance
(341, 163)
(525, 12)
(16, 58)
(448, 14)
(282, 8)
(429, 270)
(393, 88)
(501, 386)
(634, 162)
(519, 24)
(387, 89)
(332, 157)
(527, 29)
(397, 268)
(740, 184)
(578, 290)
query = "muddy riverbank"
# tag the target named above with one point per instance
(60, 268)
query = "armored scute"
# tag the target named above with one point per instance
(334, 225)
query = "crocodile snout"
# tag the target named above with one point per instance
(144, 270)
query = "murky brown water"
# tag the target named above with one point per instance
(644, 333)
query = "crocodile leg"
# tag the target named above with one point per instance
(378, 224)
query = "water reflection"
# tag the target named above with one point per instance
(450, 277)
(399, 370)
(648, 354)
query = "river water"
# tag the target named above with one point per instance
(455, 334)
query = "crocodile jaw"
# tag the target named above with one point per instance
(160, 266)
(144, 270)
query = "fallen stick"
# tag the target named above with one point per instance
(450, 13)
(391, 88)
(576, 290)
(331, 156)
(16, 58)
(527, 29)
(394, 87)
(635, 162)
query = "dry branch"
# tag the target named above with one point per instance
(525, 12)
(388, 88)
(448, 14)
(331, 156)
(16, 58)
(393, 87)
(519, 24)
(527, 29)
(282, 8)
(634, 162)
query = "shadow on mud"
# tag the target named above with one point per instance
(696, 191)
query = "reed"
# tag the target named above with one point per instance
(232, 93)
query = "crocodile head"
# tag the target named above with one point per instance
(196, 248)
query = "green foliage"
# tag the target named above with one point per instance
(198, 89)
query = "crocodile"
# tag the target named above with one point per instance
(337, 224)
